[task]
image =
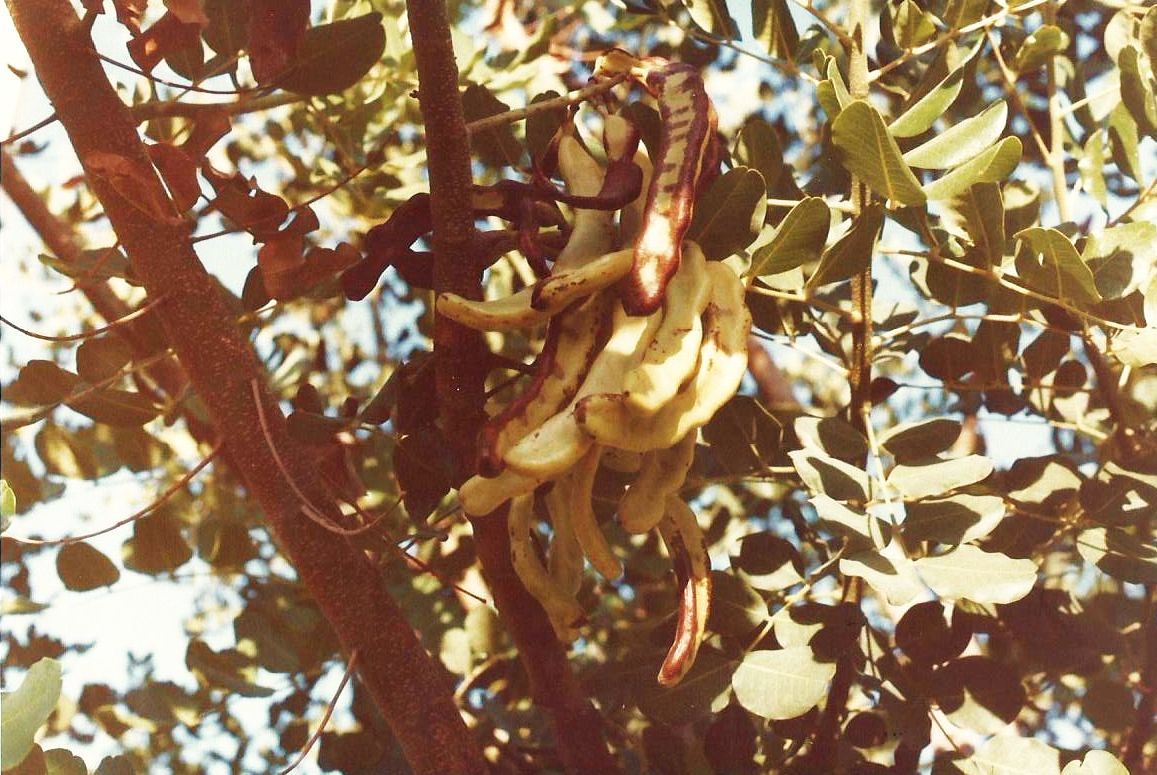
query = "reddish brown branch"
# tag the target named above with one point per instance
(461, 362)
(409, 687)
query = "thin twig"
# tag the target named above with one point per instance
(25, 132)
(161, 500)
(349, 671)
(137, 313)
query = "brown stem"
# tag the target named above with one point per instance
(461, 360)
(860, 373)
(410, 688)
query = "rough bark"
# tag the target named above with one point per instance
(412, 691)
(461, 360)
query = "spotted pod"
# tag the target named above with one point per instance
(572, 342)
(687, 126)
(687, 545)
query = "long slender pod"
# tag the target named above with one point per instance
(662, 474)
(565, 559)
(684, 538)
(562, 609)
(586, 525)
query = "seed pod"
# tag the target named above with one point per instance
(563, 610)
(687, 126)
(661, 475)
(684, 538)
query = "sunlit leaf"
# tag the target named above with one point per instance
(1096, 763)
(887, 571)
(781, 684)
(872, 154)
(970, 573)
(7, 504)
(863, 531)
(1120, 257)
(1135, 92)
(961, 142)
(921, 115)
(27, 708)
(1119, 554)
(822, 474)
(935, 477)
(1013, 755)
(992, 166)
(1044, 43)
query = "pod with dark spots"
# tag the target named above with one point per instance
(572, 342)
(687, 121)
(680, 531)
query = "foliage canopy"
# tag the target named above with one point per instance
(930, 509)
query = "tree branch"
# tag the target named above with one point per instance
(461, 360)
(409, 687)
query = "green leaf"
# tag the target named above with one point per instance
(992, 166)
(103, 357)
(1061, 273)
(887, 571)
(939, 476)
(870, 153)
(760, 149)
(1149, 35)
(1135, 92)
(1120, 257)
(1123, 142)
(712, 16)
(982, 209)
(1045, 42)
(7, 504)
(955, 520)
(962, 141)
(730, 215)
(228, 669)
(839, 88)
(1096, 763)
(333, 57)
(920, 440)
(1119, 554)
(842, 481)
(913, 25)
(228, 30)
(314, 428)
(973, 574)
(852, 254)
(83, 567)
(773, 26)
(25, 710)
(781, 684)
(113, 406)
(1136, 349)
(1010, 754)
(863, 531)
(798, 239)
(921, 115)
(41, 383)
(978, 693)
(1092, 166)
